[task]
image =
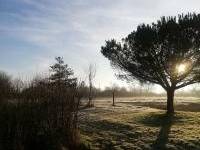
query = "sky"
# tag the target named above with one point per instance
(34, 32)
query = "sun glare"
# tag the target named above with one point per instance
(181, 68)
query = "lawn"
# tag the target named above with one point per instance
(131, 125)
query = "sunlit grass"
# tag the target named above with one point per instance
(140, 128)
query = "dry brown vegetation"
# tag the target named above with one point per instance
(43, 116)
(42, 113)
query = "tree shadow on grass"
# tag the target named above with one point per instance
(184, 106)
(165, 122)
(110, 135)
(162, 138)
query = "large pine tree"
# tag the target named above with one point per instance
(165, 53)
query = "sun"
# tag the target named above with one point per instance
(181, 68)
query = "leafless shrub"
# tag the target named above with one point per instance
(5, 87)
(44, 115)
(91, 77)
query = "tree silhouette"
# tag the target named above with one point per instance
(5, 86)
(62, 74)
(165, 53)
(91, 77)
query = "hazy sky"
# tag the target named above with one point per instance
(33, 32)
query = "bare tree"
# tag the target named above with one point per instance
(91, 77)
(5, 86)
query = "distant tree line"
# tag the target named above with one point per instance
(137, 92)
(121, 92)
(142, 92)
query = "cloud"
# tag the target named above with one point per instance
(76, 29)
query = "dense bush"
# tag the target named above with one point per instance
(42, 115)
(5, 87)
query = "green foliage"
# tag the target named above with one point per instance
(152, 52)
(62, 74)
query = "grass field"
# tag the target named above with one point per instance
(141, 124)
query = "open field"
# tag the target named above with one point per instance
(135, 123)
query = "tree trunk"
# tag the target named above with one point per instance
(90, 95)
(170, 100)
